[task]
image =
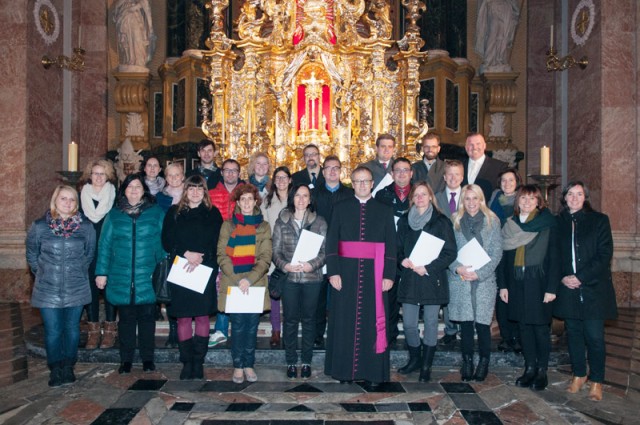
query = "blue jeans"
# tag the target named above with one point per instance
(300, 301)
(222, 324)
(586, 336)
(61, 333)
(243, 339)
(410, 316)
(450, 328)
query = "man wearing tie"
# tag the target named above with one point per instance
(448, 201)
(479, 168)
(312, 175)
(381, 165)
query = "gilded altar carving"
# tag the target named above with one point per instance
(312, 71)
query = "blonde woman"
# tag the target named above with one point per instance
(172, 191)
(473, 292)
(259, 167)
(62, 237)
(96, 199)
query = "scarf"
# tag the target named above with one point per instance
(174, 192)
(241, 247)
(417, 221)
(132, 210)
(502, 205)
(62, 227)
(472, 226)
(259, 184)
(530, 245)
(155, 185)
(104, 198)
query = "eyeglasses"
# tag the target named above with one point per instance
(230, 171)
(361, 182)
(281, 178)
(402, 170)
(99, 174)
(332, 169)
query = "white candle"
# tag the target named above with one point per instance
(72, 157)
(544, 160)
(551, 39)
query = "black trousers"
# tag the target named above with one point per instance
(508, 329)
(394, 310)
(536, 344)
(299, 302)
(143, 318)
(322, 308)
(484, 338)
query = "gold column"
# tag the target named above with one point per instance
(132, 96)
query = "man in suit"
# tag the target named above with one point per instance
(311, 175)
(381, 165)
(430, 168)
(448, 200)
(479, 168)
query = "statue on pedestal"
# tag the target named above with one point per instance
(495, 31)
(136, 39)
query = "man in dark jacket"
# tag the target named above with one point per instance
(207, 153)
(311, 175)
(325, 196)
(479, 168)
(396, 195)
(430, 168)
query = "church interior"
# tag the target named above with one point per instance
(553, 85)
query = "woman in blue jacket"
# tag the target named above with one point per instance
(60, 247)
(128, 251)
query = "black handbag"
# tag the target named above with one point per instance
(276, 283)
(159, 279)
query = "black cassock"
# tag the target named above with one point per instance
(351, 336)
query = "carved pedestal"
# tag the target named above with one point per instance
(132, 102)
(501, 100)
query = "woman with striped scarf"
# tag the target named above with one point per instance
(244, 256)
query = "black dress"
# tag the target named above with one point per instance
(194, 230)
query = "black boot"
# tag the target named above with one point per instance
(427, 361)
(466, 371)
(68, 376)
(186, 358)
(55, 376)
(515, 345)
(414, 361)
(482, 370)
(527, 377)
(541, 381)
(200, 348)
(172, 340)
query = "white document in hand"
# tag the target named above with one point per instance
(386, 181)
(237, 302)
(308, 247)
(472, 254)
(427, 249)
(196, 280)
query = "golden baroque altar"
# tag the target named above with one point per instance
(312, 71)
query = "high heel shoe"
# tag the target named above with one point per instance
(576, 384)
(595, 393)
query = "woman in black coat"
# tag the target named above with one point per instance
(191, 229)
(586, 297)
(426, 284)
(531, 271)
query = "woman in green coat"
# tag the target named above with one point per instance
(129, 249)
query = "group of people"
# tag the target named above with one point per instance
(538, 264)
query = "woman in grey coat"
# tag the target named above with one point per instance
(60, 247)
(302, 288)
(473, 292)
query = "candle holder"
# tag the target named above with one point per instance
(547, 183)
(70, 177)
(555, 63)
(73, 63)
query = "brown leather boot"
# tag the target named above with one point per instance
(576, 384)
(595, 393)
(110, 332)
(93, 339)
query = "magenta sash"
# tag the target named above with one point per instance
(374, 251)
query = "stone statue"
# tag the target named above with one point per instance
(495, 30)
(136, 39)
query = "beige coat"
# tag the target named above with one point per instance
(257, 276)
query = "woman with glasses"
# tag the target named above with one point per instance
(96, 199)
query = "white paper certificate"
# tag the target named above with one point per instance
(427, 249)
(237, 302)
(196, 280)
(308, 247)
(386, 181)
(472, 254)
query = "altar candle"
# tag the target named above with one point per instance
(72, 157)
(551, 39)
(544, 160)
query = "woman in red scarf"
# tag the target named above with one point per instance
(244, 256)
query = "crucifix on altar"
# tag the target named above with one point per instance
(313, 105)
